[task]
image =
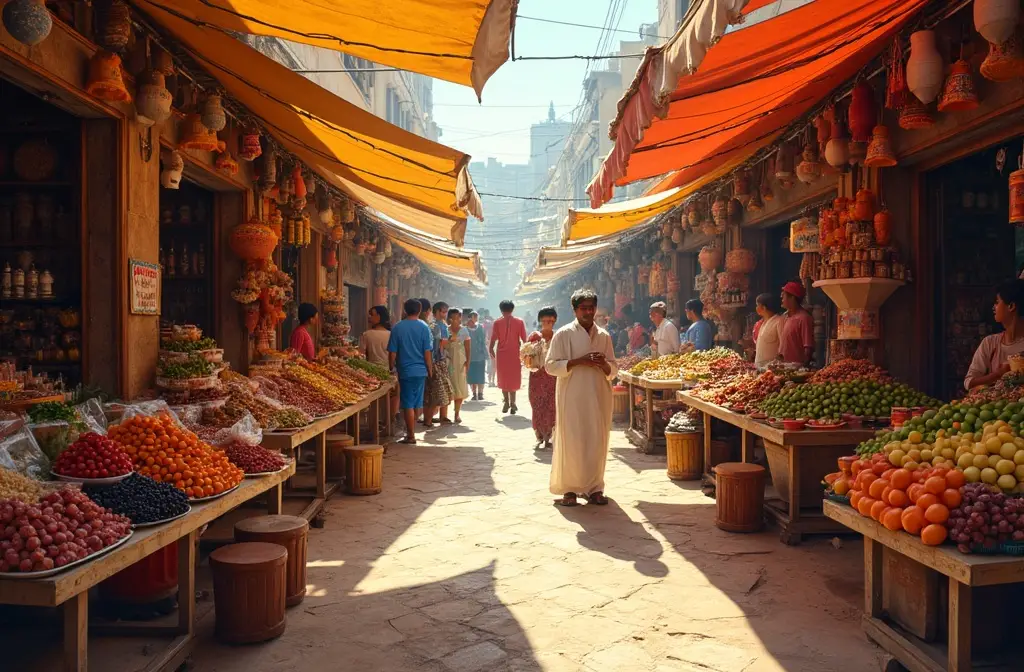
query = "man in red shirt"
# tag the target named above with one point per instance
(798, 329)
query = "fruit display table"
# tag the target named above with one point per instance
(798, 461)
(642, 432)
(287, 441)
(967, 575)
(70, 590)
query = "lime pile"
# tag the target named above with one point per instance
(829, 401)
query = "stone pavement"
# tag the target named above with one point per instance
(464, 564)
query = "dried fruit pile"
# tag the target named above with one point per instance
(15, 486)
(64, 527)
(743, 390)
(93, 456)
(141, 499)
(849, 370)
(254, 459)
(166, 452)
(303, 397)
(335, 388)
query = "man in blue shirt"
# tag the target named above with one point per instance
(701, 334)
(410, 351)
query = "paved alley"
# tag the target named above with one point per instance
(464, 564)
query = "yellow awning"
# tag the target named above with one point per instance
(461, 41)
(434, 253)
(352, 143)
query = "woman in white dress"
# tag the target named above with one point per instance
(992, 358)
(459, 344)
(768, 330)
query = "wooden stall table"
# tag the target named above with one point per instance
(807, 452)
(643, 436)
(964, 572)
(287, 441)
(70, 589)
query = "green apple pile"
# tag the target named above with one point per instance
(829, 401)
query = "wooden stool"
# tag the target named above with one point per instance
(620, 404)
(685, 453)
(249, 591)
(288, 531)
(336, 443)
(364, 469)
(739, 496)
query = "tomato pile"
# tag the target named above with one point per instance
(166, 452)
(64, 527)
(253, 459)
(93, 456)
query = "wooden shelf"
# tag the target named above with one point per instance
(40, 183)
(40, 246)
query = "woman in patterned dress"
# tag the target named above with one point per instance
(542, 384)
(458, 359)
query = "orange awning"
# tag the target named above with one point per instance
(752, 85)
(461, 41)
(334, 136)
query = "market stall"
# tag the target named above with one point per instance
(649, 400)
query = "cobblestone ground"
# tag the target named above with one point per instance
(464, 564)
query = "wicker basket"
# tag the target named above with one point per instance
(685, 455)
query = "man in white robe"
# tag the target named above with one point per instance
(581, 357)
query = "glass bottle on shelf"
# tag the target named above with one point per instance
(32, 283)
(199, 265)
(172, 267)
(7, 283)
(183, 260)
(162, 258)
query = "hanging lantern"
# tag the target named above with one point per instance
(331, 260)
(226, 164)
(275, 221)
(924, 67)
(809, 169)
(214, 117)
(996, 19)
(837, 151)
(195, 135)
(105, 82)
(268, 175)
(882, 228)
(174, 166)
(862, 111)
(28, 21)
(117, 26)
(152, 99)
(824, 129)
(677, 236)
(880, 154)
(741, 186)
(720, 210)
(249, 144)
(252, 241)
(864, 206)
(784, 172)
(299, 188)
(666, 229)
(959, 95)
(1004, 61)
(914, 115)
(388, 250)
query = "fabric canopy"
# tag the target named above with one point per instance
(329, 132)
(461, 41)
(584, 223)
(752, 85)
(437, 255)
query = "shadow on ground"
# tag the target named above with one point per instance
(609, 531)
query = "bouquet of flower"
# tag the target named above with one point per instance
(533, 353)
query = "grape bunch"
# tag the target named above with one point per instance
(985, 519)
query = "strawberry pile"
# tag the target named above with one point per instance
(93, 456)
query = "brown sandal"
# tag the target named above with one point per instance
(597, 498)
(568, 499)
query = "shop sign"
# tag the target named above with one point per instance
(803, 236)
(145, 287)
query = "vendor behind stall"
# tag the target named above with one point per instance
(700, 335)
(302, 340)
(666, 335)
(991, 359)
(798, 329)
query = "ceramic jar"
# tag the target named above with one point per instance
(28, 21)
(996, 19)
(837, 150)
(152, 100)
(864, 208)
(213, 116)
(924, 67)
(880, 154)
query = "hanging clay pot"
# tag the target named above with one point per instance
(174, 165)
(252, 241)
(755, 204)
(880, 154)
(105, 81)
(809, 170)
(226, 164)
(195, 135)
(213, 115)
(28, 21)
(882, 228)
(996, 19)
(823, 126)
(677, 235)
(1004, 61)
(117, 26)
(924, 67)
(784, 164)
(720, 210)
(864, 207)
(959, 94)
(862, 112)
(837, 151)
(249, 144)
(162, 61)
(299, 189)
(152, 99)
(741, 186)
(914, 115)
(268, 175)
(734, 212)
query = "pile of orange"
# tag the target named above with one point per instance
(915, 501)
(165, 451)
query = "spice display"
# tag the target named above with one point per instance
(741, 391)
(378, 372)
(64, 527)
(690, 365)
(141, 499)
(253, 459)
(15, 486)
(93, 456)
(172, 345)
(194, 367)
(166, 452)
(294, 394)
(329, 387)
(849, 370)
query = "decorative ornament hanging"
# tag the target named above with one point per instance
(895, 81)
(862, 112)
(117, 26)
(809, 169)
(734, 212)
(914, 115)
(226, 164)
(162, 61)
(996, 20)
(249, 143)
(880, 154)
(864, 207)
(195, 135)
(837, 151)
(823, 125)
(213, 116)
(784, 171)
(275, 221)
(720, 209)
(1004, 61)
(882, 227)
(27, 21)
(924, 67)
(152, 99)
(174, 166)
(268, 173)
(766, 186)
(959, 94)
(252, 241)
(741, 186)
(105, 81)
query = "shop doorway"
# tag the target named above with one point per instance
(975, 249)
(40, 236)
(186, 242)
(358, 307)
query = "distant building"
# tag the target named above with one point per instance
(670, 15)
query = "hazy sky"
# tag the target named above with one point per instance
(519, 93)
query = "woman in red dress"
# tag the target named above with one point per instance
(542, 384)
(508, 333)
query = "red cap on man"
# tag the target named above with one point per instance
(794, 288)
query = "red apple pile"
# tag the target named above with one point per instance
(93, 456)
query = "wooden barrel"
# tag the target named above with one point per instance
(739, 496)
(336, 444)
(364, 469)
(288, 531)
(685, 452)
(620, 404)
(249, 584)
